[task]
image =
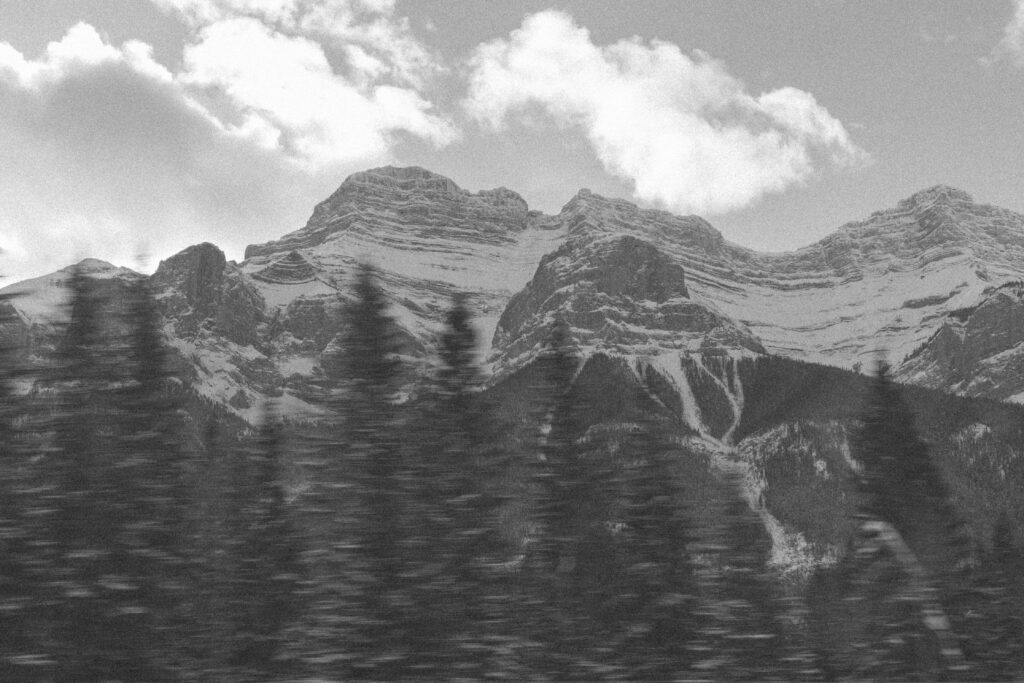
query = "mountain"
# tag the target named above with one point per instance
(628, 280)
(731, 344)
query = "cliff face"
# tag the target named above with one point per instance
(619, 295)
(976, 351)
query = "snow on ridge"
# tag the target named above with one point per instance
(670, 367)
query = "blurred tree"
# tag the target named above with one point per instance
(357, 592)
(554, 621)
(94, 610)
(152, 504)
(900, 484)
(739, 621)
(461, 625)
(657, 619)
(886, 605)
(210, 525)
(263, 569)
(993, 622)
(19, 641)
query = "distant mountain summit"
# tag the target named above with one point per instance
(413, 196)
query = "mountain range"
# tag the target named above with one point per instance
(757, 354)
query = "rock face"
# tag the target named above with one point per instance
(976, 351)
(291, 269)
(619, 295)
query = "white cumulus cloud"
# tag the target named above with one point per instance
(104, 151)
(681, 128)
(283, 89)
(371, 40)
(1012, 44)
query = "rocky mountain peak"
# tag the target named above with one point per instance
(413, 184)
(403, 200)
(410, 179)
(196, 274)
(92, 265)
(585, 201)
(936, 194)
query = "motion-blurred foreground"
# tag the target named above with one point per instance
(563, 523)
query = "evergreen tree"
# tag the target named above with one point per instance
(660, 588)
(560, 474)
(152, 468)
(374, 455)
(888, 599)
(358, 590)
(92, 602)
(899, 483)
(993, 624)
(18, 638)
(215, 531)
(457, 471)
(265, 569)
(574, 579)
(741, 635)
(553, 620)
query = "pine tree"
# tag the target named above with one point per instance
(740, 628)
(455, 477)
(994, 627)
(152, 504)
(560, 474)
(903, 568)
(358, 590)
(375, 455)
(86, 572)
(547, 623)
(660, 589)
(900, 484)
(574, 571)
(18, 589)
(265, 569)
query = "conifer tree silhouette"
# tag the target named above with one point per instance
(265, 562)
(358, 597)
(18, 584)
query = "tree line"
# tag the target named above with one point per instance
(443, 533)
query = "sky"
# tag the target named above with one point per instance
(130, 129)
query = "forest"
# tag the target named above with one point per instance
(458, 531)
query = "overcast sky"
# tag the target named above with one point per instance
(134, 127)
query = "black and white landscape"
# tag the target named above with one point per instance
(440, 434)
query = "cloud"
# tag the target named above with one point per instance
(371, 41)
(682, 129)
(1011, 46)
(105, 152)
(268, 68)
(283, 91)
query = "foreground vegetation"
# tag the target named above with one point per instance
(554, 527)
